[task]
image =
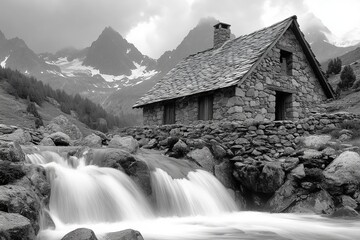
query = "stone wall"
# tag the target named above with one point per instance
(266, 140)
(255, 97)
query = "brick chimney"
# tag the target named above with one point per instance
(221, 34)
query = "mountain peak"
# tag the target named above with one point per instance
(109, 32)
(2, 36)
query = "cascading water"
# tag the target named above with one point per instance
(189, 204)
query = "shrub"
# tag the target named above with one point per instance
(347, 77)
(334, 66)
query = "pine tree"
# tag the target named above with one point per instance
(347, 77)
(334, 66)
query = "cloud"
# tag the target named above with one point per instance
(48, 25)
(155, 26)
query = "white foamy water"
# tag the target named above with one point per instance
(195, 207)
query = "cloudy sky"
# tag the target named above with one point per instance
(155, 26)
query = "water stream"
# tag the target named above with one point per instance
(188, 204)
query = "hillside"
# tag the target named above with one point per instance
(349, 101)
(13, 112)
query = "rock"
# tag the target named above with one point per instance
(344, 137)
(180, 148)
(265, 180)
(310, 154)
(289, 163)
(223, 172)
(15, 227)
(345, 212)
(151, 144)
(343, 173)
(92, 140)
(127, 234)
(80, 234)
(284, 197)
(128, 143)
(60, 139)
(298, 172)
(203, 157)
(319, 203)
(18, 199)
(5, 129)
(347, 201)
(11, 151)
(19, 135)
(62, 124)
(10, 172)
(218, 150)
(125, 162)
(46, 141)
(271, 178)
(316, 141)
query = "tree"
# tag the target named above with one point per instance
(347, 77)
(334, 66)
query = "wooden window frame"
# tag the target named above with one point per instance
(169, 116)
(286, 62)
(205, 107)
(283, 103)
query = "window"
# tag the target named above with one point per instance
(169, 113)
(205, 108)
(283, 105)
(286, 62)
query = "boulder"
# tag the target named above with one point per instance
(218, 150)
(18, 199)
(128, 143)
(62, 124)
(319, 203)
(345, 212)
(123, 161)
(6, 129)
(298, 172)
(223, 172)
(180, 148)
(13, 226)
(127, 234)
(271, 178)
(11, 151)
(203, 157)
(19, 135)
(316, 141)
(80, 234)
(265, 180)
(60, 139)
(348, 201)
(46, 141)
(343, 173)
(284, 197)
(92, 140)
(10, 172)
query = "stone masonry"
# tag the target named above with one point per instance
(255, 97)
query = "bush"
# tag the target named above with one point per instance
(334, 66)
(347, 77)
(10, 172)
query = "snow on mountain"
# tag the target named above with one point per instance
(76, 68)
(3, 63)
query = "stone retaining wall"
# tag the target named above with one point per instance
(239, 140)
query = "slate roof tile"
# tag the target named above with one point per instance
(215, 68)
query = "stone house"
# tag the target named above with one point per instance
(270, 74)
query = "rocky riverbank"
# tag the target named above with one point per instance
(272, 166)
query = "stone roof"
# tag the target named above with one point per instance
(217, 68)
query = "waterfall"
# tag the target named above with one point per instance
(198, 194)
(189, 204)
(82, 193)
